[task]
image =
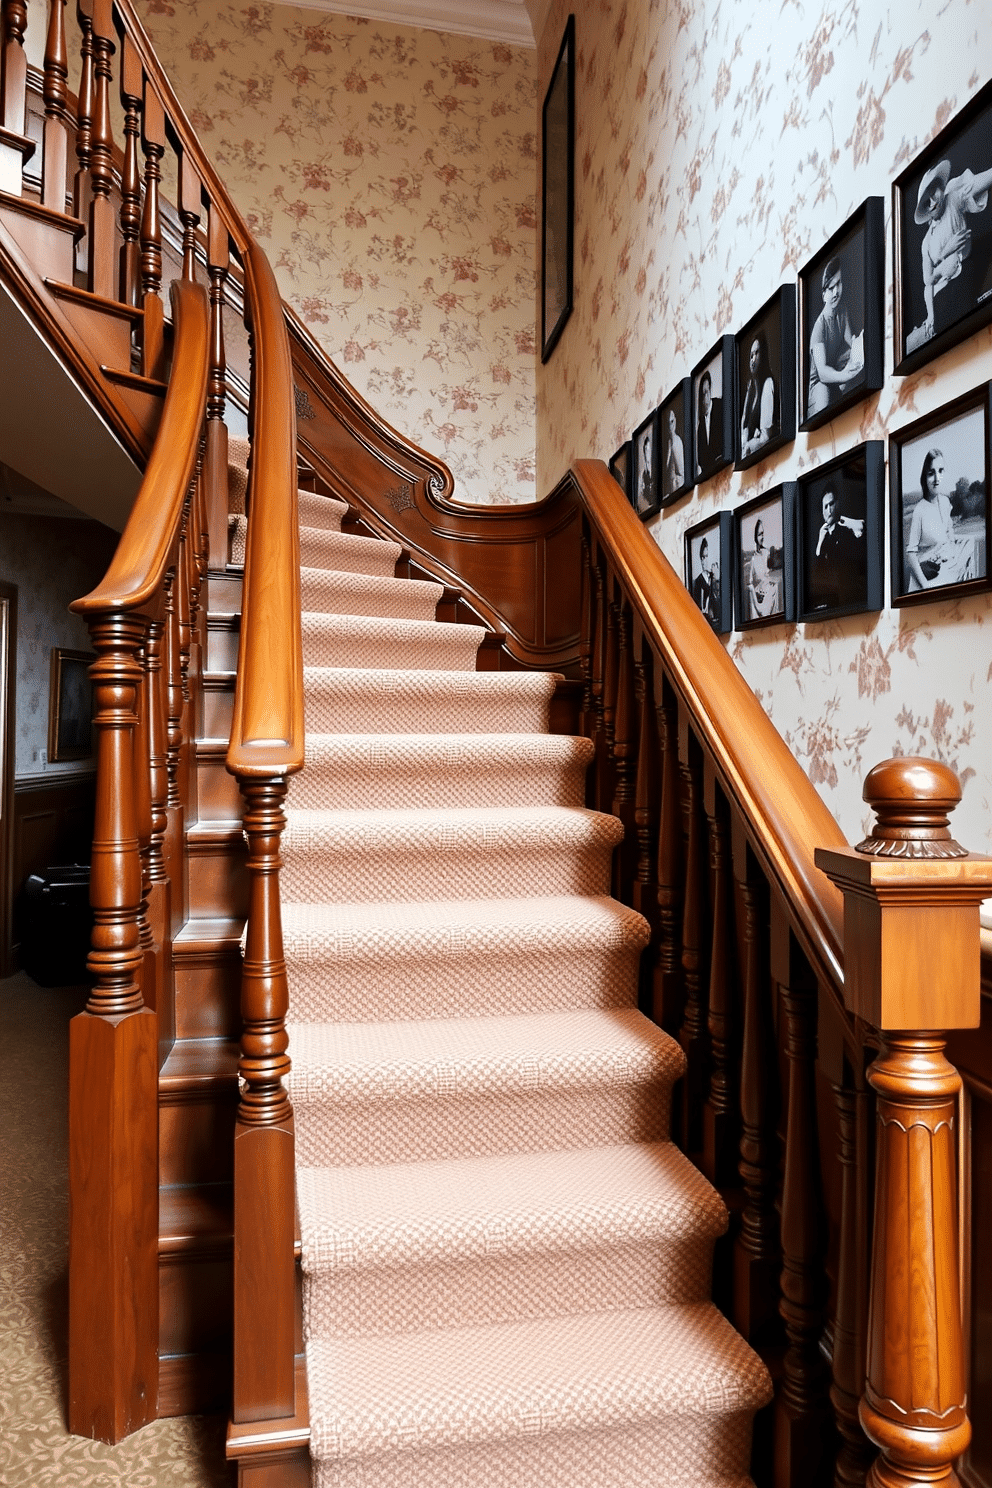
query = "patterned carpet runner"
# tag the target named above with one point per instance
(506, 1263)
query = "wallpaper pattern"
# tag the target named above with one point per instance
(389, 173)
(52, 562)
(709, 167)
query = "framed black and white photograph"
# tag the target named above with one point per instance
(675, 433)
(713, 409)
(942, 227)
(765, 353)
(708, 569)
(70, 705)
(644, 468)
(620, 467)
(558, 194)
(939, 501)
(842, 318)
(764, 548)
(839, 537)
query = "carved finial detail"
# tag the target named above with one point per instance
(912, 799)
(304, 408)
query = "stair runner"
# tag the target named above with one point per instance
(506, 1263)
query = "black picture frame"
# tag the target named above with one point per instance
(620, 467)
(714, 450)
(709, 580)
(845, 577)
(644, 497)
(764, 587)
(765, 362)
(957, 563)
(930, 205)
(70, 705)
(677, 406)
(558, 194)
(856, 255)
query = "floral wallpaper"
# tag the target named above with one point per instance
(709, 167)
(52, 561)
(389, 173)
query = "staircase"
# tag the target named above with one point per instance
(505, 1262)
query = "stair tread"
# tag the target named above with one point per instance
(465, 927)
(322, 547)
(443, 1058)
(367, 594)
(369, 641)
(451, 830)
(197, 935)
(194, 1217)
(400, 1214)
(492, 1382)
(199, 1061)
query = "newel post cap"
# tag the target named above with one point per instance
(912, 952)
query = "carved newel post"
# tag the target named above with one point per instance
(911, 951)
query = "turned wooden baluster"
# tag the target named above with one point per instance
(912, 967)
(803, 1419)
(55, 149)
(153, 141)
(172, 687)
(606, 773)
(851, 1316)
(721, 1119)
(263, 1145)
(625, 738)
(587, 725)
(15, 147)
(190, 191)
(598, 734)
(669, 992)
(158, 886)
(143, 817)
(215, 455)
(693, 1034)
(757, 1262)
(132, 79)
(84, 122)
(101, 162)
(646, 808)
(113, 1159)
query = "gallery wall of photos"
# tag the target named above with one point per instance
(813, 549)
(710, 171)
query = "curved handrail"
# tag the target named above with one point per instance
(267, 732)
(138, 566)
(785, 816)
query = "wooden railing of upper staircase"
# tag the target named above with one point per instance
(812, 994)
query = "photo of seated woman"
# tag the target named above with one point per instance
(760, 415)
(836, 341)
(944, 500)
(761, 563)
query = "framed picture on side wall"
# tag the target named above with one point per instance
(70, 705)
(558, 194)
(620, 467)
(677, 446)
(708, 569)
(713, 409)
(644, 467)
(839, 537)
(942, 231)
(764, 570)
(842, 318)
(939, 513)
(765, 353)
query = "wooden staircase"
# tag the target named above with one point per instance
(782, 985)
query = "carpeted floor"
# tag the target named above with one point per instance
(36, 1451)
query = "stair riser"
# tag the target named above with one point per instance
(195, 1303)
(222, 647)
(504, 1289)
(218, 708)
(315, 877)
(364, 712)
(217, 794)
(196, 1139)
(344, 553)
(218, 880)
(208, 995)
(655, 1454)
(390, 599)
(343, 788)
(350, 992)
(446, 654)
(320, 511)
(329, 1134)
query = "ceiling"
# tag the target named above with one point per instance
(516, 22)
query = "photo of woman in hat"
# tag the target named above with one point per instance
(943, 205)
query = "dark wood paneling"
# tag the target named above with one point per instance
(52, 823)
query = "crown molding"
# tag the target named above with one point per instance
(491, 20)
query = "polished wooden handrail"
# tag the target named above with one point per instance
(785, 816)
(267, 733)
(138, 566)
